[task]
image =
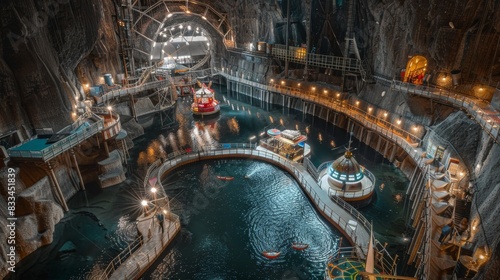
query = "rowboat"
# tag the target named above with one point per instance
(225, 178)
(299, 246)
(271, 254)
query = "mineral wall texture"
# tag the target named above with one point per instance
(50, 48)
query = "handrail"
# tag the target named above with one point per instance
(460, 101)
(131, 90)
(336, 104)
(132, 248)
(62, 145)
(300, 55)
(243, 149)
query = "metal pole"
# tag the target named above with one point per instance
(308, 36)
(286, 37)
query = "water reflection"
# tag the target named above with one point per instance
(113, 206)
(227, 225)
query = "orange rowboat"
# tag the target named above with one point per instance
(271, 254)
(225, 178)
(299, 246)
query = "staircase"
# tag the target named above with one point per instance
(352, 49)
(462, 210)
(125, 33)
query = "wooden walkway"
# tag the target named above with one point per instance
(482, 112)
(341, 214)
(135, 260)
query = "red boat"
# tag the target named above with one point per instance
(271, 254)
(299, 246)
(225, 178)
(204, 102)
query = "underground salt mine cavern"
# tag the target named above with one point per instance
(265, 139)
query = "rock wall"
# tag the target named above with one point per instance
(37, 213)
(50, 48)
(450, 34)
(42, 44)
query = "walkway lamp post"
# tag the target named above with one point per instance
(250, 140)
(144, 204)
(154, 190)
(110, 109)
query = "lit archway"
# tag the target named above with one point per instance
(143, 28)
(415, 70)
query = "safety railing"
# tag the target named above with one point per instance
(62, 145)
(335, 103)
(470, 105)
(366, 190)
(337, 210)
(383, 262)
(116, 94)
(299, 55)
(136, 258)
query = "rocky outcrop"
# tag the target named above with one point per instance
(111, 170)
(37, 214)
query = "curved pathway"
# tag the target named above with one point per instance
(335, 210)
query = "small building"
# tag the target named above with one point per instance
(347, 179)
(289, 144)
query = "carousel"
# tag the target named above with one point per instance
(347, 179)
(289, 144)
(204, 102)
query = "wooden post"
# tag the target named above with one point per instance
(106, 149)
(59, 193)
(393, 153)
(82, 185)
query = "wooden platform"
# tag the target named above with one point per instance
(154, 242)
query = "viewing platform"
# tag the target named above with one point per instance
(47, 147)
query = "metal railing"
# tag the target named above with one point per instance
(144, 258)
(115, 94)
(458, 100)
(335, 103)
(386, 263)
(355, 194)
(322, 202)
(300, 55)
(62, 145)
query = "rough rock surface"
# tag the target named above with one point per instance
(49, 48)
(37, 214)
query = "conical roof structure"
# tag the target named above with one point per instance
(346, 169)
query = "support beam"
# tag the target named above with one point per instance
(58, 193)
(393, 153)
(75, 163)
(286, 37)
